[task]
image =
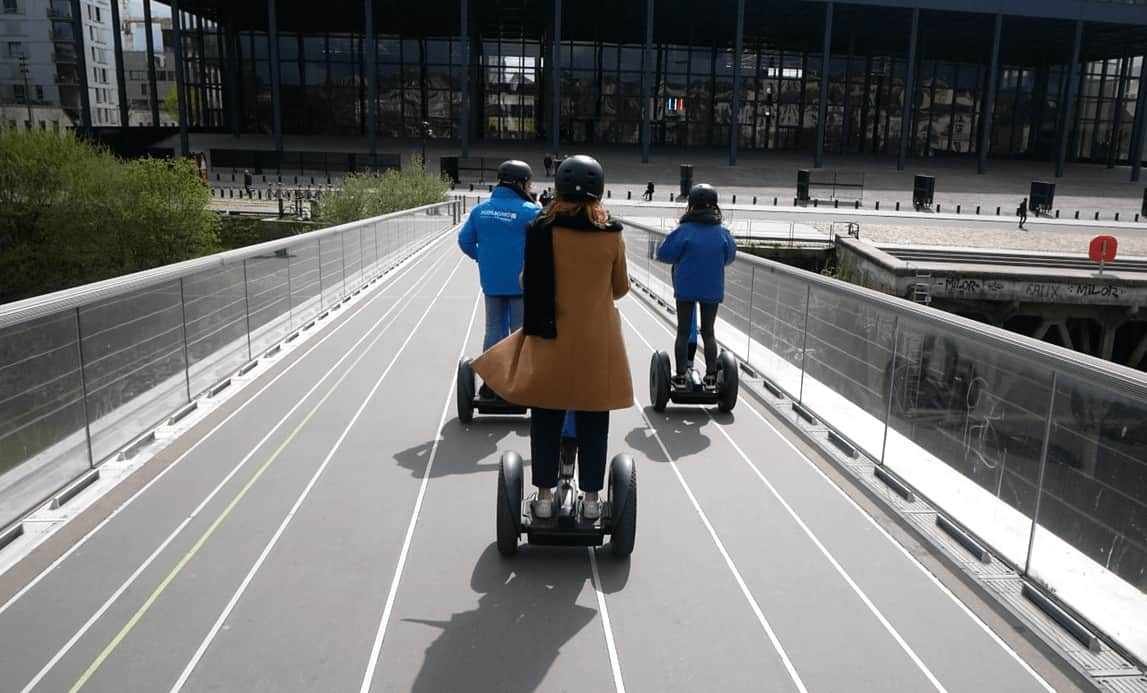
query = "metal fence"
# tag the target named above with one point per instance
(85, 371)
(1038, 451)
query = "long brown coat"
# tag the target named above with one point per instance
(585, 368)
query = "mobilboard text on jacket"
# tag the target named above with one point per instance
(495, 236)
(699, 253)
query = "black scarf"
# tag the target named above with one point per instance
(706, 215)
(539, 312)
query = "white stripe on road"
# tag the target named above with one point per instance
(376, 648)
(202, 649)
(219, 487)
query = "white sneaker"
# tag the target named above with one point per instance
(590, 509)
(542, 509)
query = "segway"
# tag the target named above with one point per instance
(567, 528)
(469, 401)
(663, 390)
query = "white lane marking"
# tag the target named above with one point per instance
(202, 649)
(423, 254)
(194, 513)
(815, 540)
(892, 540)
(721, 546)
(614, 664)
(376, 648)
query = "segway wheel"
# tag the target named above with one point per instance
(730, 380)
(509, 503)
(465, 391)
(659, 380)
(623, 505)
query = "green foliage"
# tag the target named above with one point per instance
(171, 102)
(73, 213)
(366, 195)
(240, 232)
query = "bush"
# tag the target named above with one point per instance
(366, 195)
(73, 213)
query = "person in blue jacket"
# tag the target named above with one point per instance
(699, 248)
(495, 236)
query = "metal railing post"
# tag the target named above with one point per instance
(186, 346)
(891, 384)
(804, 341)
(247, 309)
(1042, 469)
(84, 390)
(752, 290)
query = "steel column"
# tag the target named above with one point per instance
(555, 78)
(371, 58)
(646, 82)
(989, 102)
(180, 91)
(826, 51)
(739, 47)
(276, 103)
(1069, 101)
(909, 100)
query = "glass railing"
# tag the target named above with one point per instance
(1038, 451)
(85, 371)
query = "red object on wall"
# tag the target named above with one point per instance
(1102, 249)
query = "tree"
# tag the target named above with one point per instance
(73, 213)
(366, 195)
(171, 103)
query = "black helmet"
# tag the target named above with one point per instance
(514, 171)
(702, 196)
(580, 178)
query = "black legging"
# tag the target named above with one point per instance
(545, 447)
(685, 326)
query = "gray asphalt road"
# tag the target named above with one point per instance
(336, 533)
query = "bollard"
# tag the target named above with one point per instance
(977, 209)
(997, 211)
(296, 180)
(856, 205)
(878, 205)
(774, 202)
(264, 179)
(1077, 214)
(734, 198)
(814, 203)
(836, 204)
(754, 199)
(957, 209)
(491, 188)
(328, 179)
(898, 205)
(670, 197)
(794, 202)
(937, 209)
(1057, 214)
(1117, 216)
(260, 193)
(231, 193)
(609, 194)
(629, 194)
(232, 177)
(1097, 216)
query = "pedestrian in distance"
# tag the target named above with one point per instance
(699, 249)
(549, 164)
(569, 354)
(495, 236)
(1022, 212)
(648, 195)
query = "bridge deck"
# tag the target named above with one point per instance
(331, 528)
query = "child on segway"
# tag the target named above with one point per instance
(495, 236)
(569, 355)
(699, 249)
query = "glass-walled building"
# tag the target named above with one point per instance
(925, 82)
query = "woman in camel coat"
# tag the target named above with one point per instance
(570, 354)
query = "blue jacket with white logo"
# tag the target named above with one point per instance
(698, 253)
(495, 236)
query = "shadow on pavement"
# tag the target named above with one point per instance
(527, 612)
(679, 429)
(465, 449)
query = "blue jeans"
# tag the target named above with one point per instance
(503, 316)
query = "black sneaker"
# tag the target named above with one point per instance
(680, 382)
(710, 380)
